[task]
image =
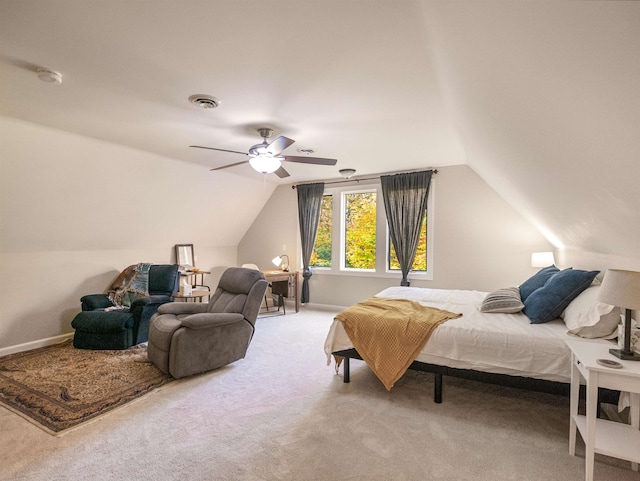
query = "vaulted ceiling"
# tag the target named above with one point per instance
(541, 99)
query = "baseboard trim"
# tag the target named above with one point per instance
(27, 346)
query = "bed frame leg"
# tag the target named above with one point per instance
(345, 370)
(437, 389)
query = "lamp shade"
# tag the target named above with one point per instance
(280, 260)
(621, 288)
(542, 259)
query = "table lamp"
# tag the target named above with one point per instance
(542, 259)
(622, 288)
(278, 260)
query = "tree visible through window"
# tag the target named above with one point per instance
(360, 230)
(420, 261)
(321, 256)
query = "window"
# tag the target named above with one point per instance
(351, 227)
(321, 256)
(359, 230)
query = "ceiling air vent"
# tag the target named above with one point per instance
(204, 101)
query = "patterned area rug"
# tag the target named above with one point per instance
(59, 387)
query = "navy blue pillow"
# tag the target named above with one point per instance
(548, 302)
(536, 281)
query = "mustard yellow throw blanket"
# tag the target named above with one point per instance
(389, 333)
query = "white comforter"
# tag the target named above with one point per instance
(495, 343)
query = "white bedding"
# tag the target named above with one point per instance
(494, 343)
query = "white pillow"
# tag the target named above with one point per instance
(587, 317)
(505, 300)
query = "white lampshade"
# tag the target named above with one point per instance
(279, 261)
(542, 259)
(621, 288)
(265, 164)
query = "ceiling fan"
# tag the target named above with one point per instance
(267, 157)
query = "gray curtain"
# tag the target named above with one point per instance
(309, 204)
(405, 201)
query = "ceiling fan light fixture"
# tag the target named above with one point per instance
(259, 149)
(265, 164)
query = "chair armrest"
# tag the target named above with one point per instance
(92, 302)
(145, 301)
(207, 320)
(178, 308)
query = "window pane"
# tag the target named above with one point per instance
(420, 261)
(360, 230)
(321, 256)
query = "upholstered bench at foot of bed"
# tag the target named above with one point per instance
(103, 330)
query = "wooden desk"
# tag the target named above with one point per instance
(291, 277)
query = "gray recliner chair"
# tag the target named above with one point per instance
(190, 338)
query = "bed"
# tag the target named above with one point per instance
(502, 348)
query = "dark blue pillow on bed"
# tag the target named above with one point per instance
(536, 281)
(548, 302)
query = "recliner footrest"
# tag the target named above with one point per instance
(103, 330)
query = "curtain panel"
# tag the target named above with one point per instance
(405, 201)
(309, 204)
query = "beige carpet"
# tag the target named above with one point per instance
(59, 387)
(281, 414)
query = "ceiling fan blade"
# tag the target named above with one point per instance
(230, 165)
(310, 160)
(220, 150)
(279, 144)
(282, 173)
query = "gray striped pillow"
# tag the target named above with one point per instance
(505, 300)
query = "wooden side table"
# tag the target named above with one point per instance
(195, 274)
(196, 295)
(600, 436)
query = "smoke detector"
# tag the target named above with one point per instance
(204, 101)
(49, 76)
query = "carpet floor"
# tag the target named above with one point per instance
(283, 414)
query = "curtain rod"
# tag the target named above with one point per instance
(434, 171)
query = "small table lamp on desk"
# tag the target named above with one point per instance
(278, 261)
(622, 288)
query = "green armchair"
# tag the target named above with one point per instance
(97, 327)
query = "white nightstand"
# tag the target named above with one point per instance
(604, 437)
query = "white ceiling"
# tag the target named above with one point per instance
(130, 66)
(540, 98)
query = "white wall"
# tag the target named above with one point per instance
(480, 241)
(275, 227)
(76, 211)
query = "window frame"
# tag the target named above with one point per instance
(338, 193)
